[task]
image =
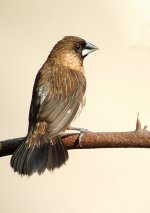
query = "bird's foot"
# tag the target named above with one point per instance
(81, 134)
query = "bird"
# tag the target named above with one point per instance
(58, 94)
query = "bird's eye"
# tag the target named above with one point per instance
(78, 47)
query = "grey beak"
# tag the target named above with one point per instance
(88, 49)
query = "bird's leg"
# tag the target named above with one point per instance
(81, 130)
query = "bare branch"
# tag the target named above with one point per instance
(140, 138)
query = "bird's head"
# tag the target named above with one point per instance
(71, 51)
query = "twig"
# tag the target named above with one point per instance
(140, 138)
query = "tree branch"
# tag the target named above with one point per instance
(140, 138)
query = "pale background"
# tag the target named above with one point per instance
(104, 180)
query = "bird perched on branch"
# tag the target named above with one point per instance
(57, 96)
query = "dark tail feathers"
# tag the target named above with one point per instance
(28, 159)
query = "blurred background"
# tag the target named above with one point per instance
(101, 180)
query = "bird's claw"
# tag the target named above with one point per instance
(81, 134)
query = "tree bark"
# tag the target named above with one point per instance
(140, 138)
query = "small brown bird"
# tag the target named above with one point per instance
(57, 95)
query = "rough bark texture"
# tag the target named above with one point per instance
(140, 138)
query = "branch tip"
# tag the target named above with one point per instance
(145, 128)
(138, 123)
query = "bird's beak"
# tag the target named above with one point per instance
(88, 49)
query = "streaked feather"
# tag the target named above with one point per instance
(62, 101)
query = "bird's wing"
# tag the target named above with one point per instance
(57, 99)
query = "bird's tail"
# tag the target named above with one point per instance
(42, 153)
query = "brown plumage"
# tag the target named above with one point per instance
(57, 95)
